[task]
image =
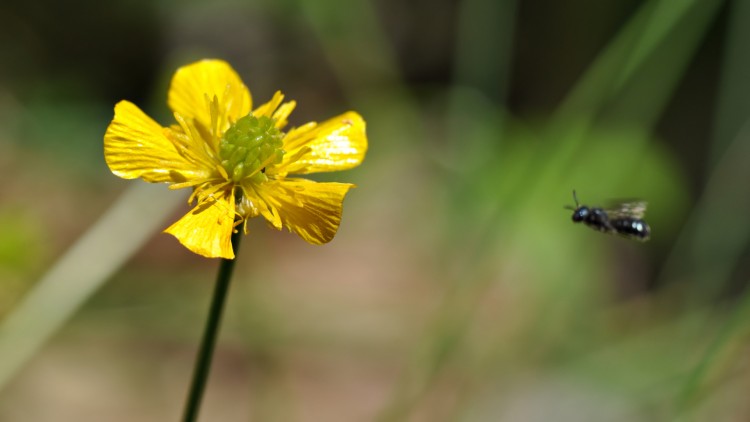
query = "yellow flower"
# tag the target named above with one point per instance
(236, 159)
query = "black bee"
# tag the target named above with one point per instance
(625, 219)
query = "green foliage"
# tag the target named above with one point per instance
(458, 288)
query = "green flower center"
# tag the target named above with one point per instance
(248, 146)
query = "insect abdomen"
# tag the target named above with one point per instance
(631, 227)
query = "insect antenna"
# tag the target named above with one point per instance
(575, 198)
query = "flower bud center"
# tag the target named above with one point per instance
(248, 146)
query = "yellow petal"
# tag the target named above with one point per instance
(195, 86)
(207, 228)
(136, 146)
(339, 143)
(310, 209)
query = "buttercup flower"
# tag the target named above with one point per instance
(236, 159)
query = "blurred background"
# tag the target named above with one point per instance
(457, 287)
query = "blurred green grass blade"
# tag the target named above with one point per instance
(476, 115)
(734, 330)
(645, 60)
(356, 47)
(661, 21)
(643, 38)
(86, 265)
(733, 109)
(481, 75)
(718, 231)
(708, 251)
(484, 46)
(660, 59)
(643, 51)
(631, 81)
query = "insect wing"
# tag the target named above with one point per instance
(632, 209)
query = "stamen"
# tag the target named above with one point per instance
(222, 171)
(237, 217)
(175, 186)
(208, 192)
(262, 166)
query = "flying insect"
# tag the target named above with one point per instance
(624, 219)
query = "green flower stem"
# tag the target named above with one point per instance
(203, 363)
